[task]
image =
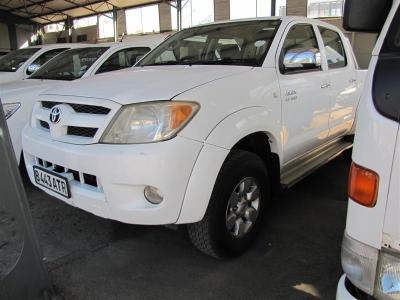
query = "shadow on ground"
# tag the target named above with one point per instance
(297, 255)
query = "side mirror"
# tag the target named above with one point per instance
(32, 68)
(365, 15)
(301, 59)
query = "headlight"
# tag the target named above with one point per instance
(10, 109)
(149, 122)
(388, 278)
(359, 263)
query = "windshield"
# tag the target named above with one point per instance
(12, 61)
(70, 65)
(239, 43)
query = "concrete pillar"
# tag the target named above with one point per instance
(165, 17)
(296, 8)
(12, 35)
(115, 23)
(221, 10)
(121, 22)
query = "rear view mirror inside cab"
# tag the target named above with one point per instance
(365, 15)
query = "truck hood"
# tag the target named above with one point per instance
(9, 76)
(23, 90)
(141, 84)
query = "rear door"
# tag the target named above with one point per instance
(304, 88)
(343, 81)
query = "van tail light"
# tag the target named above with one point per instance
(363, 185)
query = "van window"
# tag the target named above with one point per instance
(386, 90)
(334, 48)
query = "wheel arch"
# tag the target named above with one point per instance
(244, 130)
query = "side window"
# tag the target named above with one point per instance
(122, 59)
(300, 51)
(42, 59)
(334, 48)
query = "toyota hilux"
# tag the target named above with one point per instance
(203, 131)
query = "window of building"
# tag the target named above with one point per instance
(194, 12)
(142, 20)
(324, 8)
(334, 48)
(240, 9)
(85, 22)
(106, 25)
(56, 27)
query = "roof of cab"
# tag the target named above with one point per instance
(284, 19)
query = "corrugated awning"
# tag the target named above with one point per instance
(51, 11)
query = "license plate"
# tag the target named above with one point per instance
(52, 181)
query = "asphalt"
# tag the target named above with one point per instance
(297, 255)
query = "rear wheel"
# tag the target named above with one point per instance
(236, 207)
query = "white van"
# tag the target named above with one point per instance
(371, 244)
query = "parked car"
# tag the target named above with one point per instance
(371, 243)
(22, 63)
(202, 131)
(19, 97)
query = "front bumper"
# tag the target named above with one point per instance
(342, 293)
(121, 172)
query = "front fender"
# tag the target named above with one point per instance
(214, 152)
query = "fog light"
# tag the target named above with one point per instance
(153, 194)
(388, 278)
(359, 263)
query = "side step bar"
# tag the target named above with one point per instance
(302, 167)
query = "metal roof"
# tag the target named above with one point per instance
(51, 11)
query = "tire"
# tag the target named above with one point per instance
(242, 173)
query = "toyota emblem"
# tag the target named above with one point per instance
(55, 115)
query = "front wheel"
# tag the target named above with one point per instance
(235, 211)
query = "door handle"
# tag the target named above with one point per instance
(352, 80)
(325, 85)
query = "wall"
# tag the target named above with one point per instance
(4, 40)
(90, 31)
(221, 10)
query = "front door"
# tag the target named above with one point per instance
(304, 88)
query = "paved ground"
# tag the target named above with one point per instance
(296, 257)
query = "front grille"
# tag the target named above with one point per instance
(44, 125)
(82, 131)
(80, 108)
(83, 178)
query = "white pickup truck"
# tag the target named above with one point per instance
(83, 61)
(21, 63)
(203, 131)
